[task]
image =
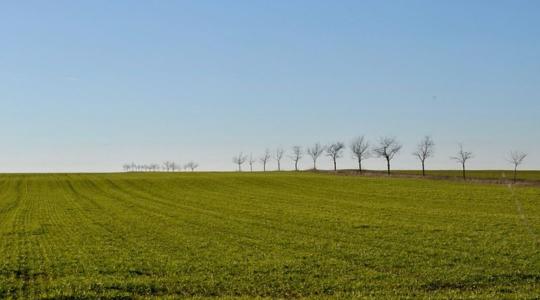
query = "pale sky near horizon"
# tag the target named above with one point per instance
(90, 85)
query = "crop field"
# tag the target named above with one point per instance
(277, 235)
(504, 175)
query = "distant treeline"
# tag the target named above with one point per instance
(167, 166)
(386, 148)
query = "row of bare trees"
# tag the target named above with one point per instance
(166, 166)
(386, 148)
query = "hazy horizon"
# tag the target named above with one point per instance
(90, 86)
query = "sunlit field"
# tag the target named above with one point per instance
(265, 234)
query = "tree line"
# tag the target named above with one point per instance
(386, 148)
(166, 166)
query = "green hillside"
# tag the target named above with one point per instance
(265, 234)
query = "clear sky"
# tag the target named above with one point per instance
(91, 85)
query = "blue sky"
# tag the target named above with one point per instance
(90, 85)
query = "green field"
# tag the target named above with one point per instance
(503, 175)
(265, 234)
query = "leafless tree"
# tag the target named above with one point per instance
(240, 160)
(424, 150)
(462, 157)
(191, 165)
(278, 155)
(168, 166)
(126, 167)
(315, 152)
(265, 158)
(516, 158)
(335, 151)
(251, 161)
(388, 148)
(297, 154)
(360, 150)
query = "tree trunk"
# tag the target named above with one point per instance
(515, 174)
(464, 177)
(388, 165)
(423, 169)
(314, 164)
(264, 167)
(296, 165)
(335, 165)
(278, 166)
(360, 165)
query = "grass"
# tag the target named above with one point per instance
(504, 175)
(265, 235)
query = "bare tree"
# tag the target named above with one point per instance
(126, 167)
(315, 152)
(424, 150)
(516, 158)
(335, 151)
(265, 158)
(174, 166)
(251, 162)
(167, 166)
(297, 154)
(278, 156)
(240, 160)
(462, 157)
(360, 150)
(191, 165)
(388, 148)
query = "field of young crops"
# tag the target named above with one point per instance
(265, 234)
